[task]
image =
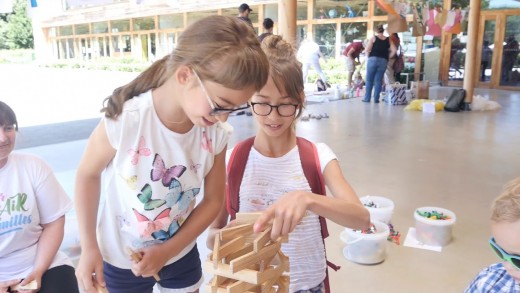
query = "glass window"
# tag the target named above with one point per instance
(171, 21)
(499, 4)
(353, 31)
(66, 30)
(271, 11)
(301, 7)
(52, 32)
(120, 25)
(194, 16)
(100, 27)
(232, 11)
(82, 29)
(143, 24)
(340, 9)
(510, 75)
(325, 37)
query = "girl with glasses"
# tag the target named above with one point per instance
(32, 219)
(503, 277)
(162, 136)
(274, 182)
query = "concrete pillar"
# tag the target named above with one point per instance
(470, 65)
(287, 20)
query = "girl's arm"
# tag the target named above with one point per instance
(98, 154)
(344, 207)
(219, 223)
(154, 257)
(48, 245)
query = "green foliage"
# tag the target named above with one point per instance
(127, 64)
(16, 28)
(16, 56)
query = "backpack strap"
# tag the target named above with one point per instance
(312, 170)
(235, 171)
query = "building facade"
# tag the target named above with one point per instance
(148, 30)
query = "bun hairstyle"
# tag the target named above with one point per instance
(285, 69)
(380, 28)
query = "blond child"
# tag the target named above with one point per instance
(504, 276)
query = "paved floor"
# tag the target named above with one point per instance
(458, 161)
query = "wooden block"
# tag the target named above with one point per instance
(262, 239)
(247, 218)
(230, 233)
(230, 247)
(137, 258)
(239, 287)
(216, 251)
(31, 286)
(248, 247)
(246, 275)
(254, 257)
(270, 273)
(283, 284)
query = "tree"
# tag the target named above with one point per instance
(16, 28)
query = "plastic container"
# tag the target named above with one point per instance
(434, 232)
(384, 210)
(366, 248)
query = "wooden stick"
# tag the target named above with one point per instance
(31, 286)
(137, 257)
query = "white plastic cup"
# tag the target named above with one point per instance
(384, 210)
(434, 232)
(366, 248)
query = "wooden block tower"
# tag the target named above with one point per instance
(243, 261)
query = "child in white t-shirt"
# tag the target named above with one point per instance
(274, 182)
(32, 218)
(163, 135)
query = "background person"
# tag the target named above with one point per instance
(243, 13)
(378, 50)
(268, 29)
(309, 54)
(351, 53)
(34, 204)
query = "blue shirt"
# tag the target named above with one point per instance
(493, 279)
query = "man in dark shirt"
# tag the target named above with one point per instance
(268, 29)
(243, 13)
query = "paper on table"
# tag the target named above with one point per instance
(411, 241)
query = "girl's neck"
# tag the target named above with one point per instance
(169, 109)
(275, 147)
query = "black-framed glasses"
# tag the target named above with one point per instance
(215, 108)
(264, 109)
(502, 254)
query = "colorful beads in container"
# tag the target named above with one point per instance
(434, 215)
(370, 204)
(371, 230)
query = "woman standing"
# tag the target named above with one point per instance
(379, 49)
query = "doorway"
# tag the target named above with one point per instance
(498, 51)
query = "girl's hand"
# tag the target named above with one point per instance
(152, 261)
(90, 270)
(285, 214)
(33, 276)
(4, 286)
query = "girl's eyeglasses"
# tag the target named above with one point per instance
(264, 109)
(215, 108)
(502, 254)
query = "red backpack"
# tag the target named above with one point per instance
(311, 168)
